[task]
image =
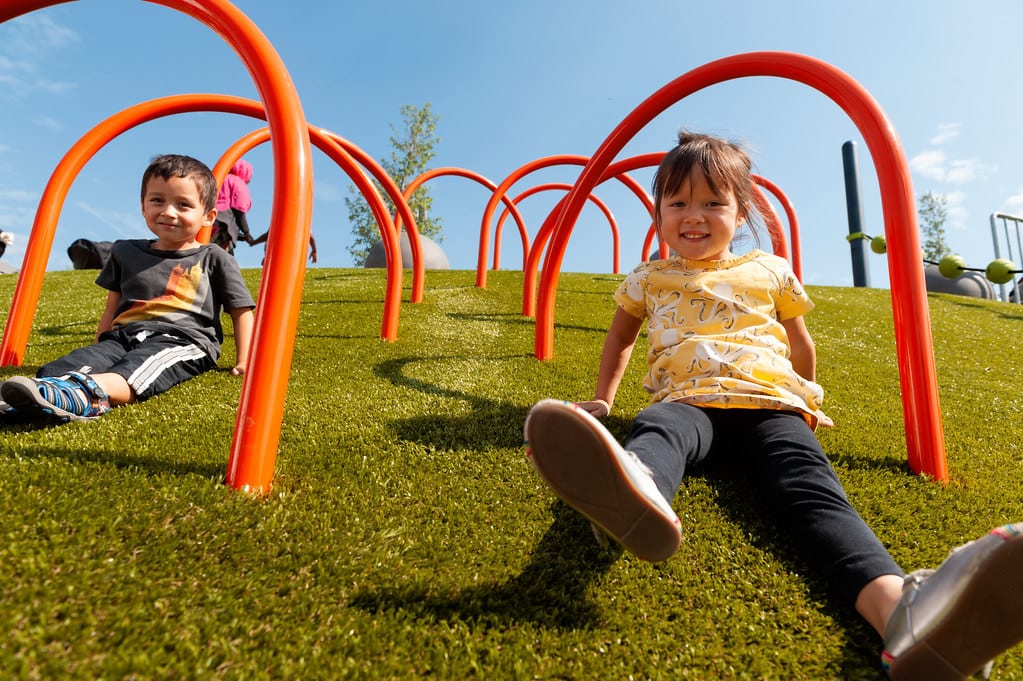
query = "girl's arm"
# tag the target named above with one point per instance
(621, 338)
(242, 318)
(106, 321)
(804, 352)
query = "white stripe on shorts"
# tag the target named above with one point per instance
(151, 369)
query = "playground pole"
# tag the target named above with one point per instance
(857, 247)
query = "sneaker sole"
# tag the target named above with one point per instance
(23, 394)
(571, 451)
(986, 620)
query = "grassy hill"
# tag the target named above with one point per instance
(406, 534)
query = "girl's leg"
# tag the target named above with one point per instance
(668, 437)
(799, 483)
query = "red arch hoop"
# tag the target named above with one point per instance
(260, 411)
(921, 409)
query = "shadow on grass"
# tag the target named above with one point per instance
(149, 466)
(492, 423)
(551, 591)
(744, 506)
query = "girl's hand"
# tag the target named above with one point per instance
(824, 421)
(238, 370)
(598, 408)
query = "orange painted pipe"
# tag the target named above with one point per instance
(331, 145)
(790, 214)
(257, 429)
(620, 172)
(549, 186)
(921, 410)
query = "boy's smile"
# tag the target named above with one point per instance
(174, 212)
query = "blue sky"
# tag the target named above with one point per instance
(514, 82)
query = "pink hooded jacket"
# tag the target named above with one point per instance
(234, 193)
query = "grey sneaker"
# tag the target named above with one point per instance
(588, 470)
(952, 621)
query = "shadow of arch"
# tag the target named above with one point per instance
(257, 428)
(921, 409)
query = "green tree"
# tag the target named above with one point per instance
(412, 148)
(932, 213)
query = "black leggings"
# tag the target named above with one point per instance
(787, 465)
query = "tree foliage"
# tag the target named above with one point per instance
(412, 148)
(932, 214)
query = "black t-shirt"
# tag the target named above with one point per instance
(180, 292)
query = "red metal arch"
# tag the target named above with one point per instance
(618, 171)
(86, 147)
(257, 428)
(340, 153)
(502, 190)
(921, 409)
(615, 235)
(462, 172)
(790, 214)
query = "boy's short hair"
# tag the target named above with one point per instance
(167, 166)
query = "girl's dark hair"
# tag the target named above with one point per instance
(725, 165)
(177, 165)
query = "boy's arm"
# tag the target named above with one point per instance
(804, 352)
(621, 338)
(243, 321)
(106, 321)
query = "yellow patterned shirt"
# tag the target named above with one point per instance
(715, 333)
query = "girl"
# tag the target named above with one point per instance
(731, 373)
(233, 204)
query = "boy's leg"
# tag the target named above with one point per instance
(73, 397)
(158, 362)
(136, 367)
(63, 390)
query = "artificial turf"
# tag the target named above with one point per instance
(406, 534)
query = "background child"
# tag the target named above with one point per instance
(731, 373)
(233, 204)
(161, 325)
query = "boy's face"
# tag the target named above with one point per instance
(173, 211)
(698, 223)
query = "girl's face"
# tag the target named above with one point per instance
(697, 223)
(174, 212)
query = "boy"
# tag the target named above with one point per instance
(161, 325)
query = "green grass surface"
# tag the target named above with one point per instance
(406, 534)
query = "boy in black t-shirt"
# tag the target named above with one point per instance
(161, 325)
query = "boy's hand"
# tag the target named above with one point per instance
(598, 408)
(825, 421)
(238, 370)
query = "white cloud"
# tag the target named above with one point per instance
(49, 123)
(965, 171)
(929, 164)
(955, 203)
(36, 33)
(946, 132)
(935, 164)
(17, 195)
(1015, 200)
